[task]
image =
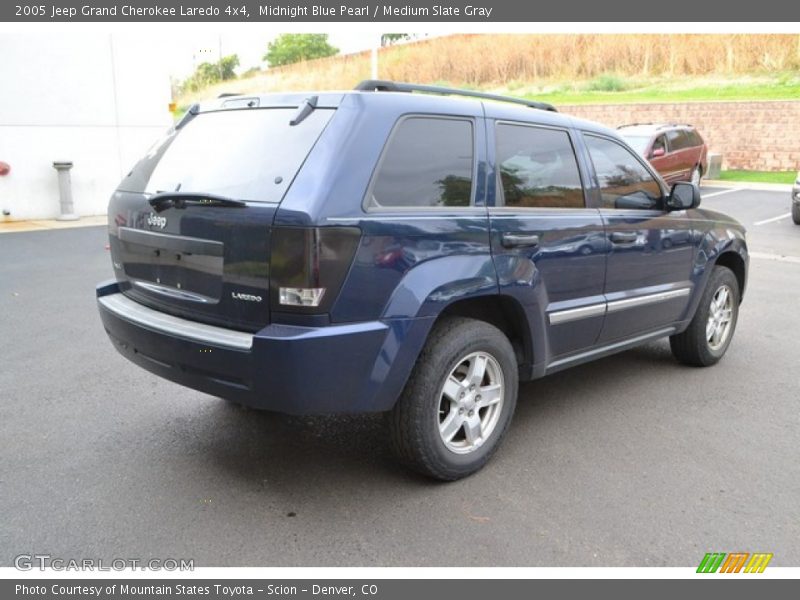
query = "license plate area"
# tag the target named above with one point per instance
(182, 267)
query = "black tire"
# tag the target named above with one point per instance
(796, 213)
(416, 418)
(693, 347)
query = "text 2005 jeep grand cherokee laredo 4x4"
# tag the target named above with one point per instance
(419, 254)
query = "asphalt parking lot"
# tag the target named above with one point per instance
(633, 460)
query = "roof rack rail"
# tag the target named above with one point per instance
(378, 85)
(659, 125)
(229, 94)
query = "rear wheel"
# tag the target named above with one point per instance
(709, 334)
(796, 213)
(458, 402)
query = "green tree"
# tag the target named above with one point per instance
(290, 48)
(387, 39)
(210, 73)
(227, 67)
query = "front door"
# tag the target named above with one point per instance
(650, 258)
(666, 163)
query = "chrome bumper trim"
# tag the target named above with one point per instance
(133, 312)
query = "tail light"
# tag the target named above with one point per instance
(308, 267)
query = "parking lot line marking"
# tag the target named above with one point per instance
(773, 219)
(778, 257)
(728, 191)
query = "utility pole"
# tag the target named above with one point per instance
(374, 57)
(219, 62)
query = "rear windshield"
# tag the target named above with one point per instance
(243, 154)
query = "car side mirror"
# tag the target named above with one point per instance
(683, 196)
(658, 153)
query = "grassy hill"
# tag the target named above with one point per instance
(563, 69)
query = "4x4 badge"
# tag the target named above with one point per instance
(155, 221)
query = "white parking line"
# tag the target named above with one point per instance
(728, 191)
(778, 257)
(773, 219)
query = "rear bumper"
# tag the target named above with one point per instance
(348, 368)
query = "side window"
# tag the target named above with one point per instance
(678, 140)
(694, 138)
(428, 162)
(660, 143)
(537, 168)
(624, 182)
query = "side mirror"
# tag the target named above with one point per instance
(658, 153)
(684, 195)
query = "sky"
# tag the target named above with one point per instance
(183, 54)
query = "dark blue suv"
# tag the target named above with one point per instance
(412, 253)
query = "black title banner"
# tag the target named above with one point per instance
(356, 11)
(390, 589)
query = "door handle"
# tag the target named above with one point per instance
(618, 237)
(519, 240)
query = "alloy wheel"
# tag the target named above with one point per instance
(470, 402)
(720, 317)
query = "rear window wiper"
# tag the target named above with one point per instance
(162, 200)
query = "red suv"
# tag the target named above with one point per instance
(677, 152)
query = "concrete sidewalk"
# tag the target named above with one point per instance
(40, 224)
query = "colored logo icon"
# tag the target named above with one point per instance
(735, 562)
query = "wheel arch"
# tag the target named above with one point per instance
(505, 313)
(733, 261)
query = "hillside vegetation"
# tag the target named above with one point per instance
(562, 68)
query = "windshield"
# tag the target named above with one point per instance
(638, 142)
(243, 154)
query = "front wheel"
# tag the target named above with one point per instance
(796, 213)
(709, 334)
(458, 402)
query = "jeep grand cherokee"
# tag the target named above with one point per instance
(414, 254)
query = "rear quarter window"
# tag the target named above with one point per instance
(694, 138)
(427, 162)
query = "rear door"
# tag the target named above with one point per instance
(549, 248)
(696, 149)
(189, 226)
(681, 154)
(650, 259)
